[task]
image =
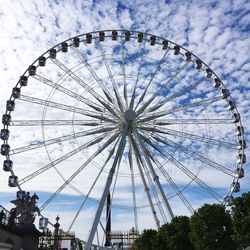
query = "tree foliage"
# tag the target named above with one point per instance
(241, 220)
(211, 229)
(147, 240)
(175, 235)
(171, 236)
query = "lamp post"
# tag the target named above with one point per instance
(56, 234)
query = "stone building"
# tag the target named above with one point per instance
(16, 236)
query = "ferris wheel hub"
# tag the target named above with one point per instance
(130, 115)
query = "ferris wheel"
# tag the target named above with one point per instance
(121, 126)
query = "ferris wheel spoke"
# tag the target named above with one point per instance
(147, 103)
(132, 101)
(146, 188)
(164, 152)
(185, 170)
(111, 77)
(176, 95)
(112, 109)
(194, 105)
(94, 75)
(97, 115)
(77, 190)
(155, 193)
(131, 167)
(156, 198)
(164, 122)
(79, 170)
(125, 90)
(189, 136)
(194, 155)
(155, 177)
(173, 185)
(111, 196)
(60, 139)
(191, 175)
(60, 159)
(92, 186)
(68, 92)
(91, 123)
(125, 85)
(117, 168)
(173, 110)
(151, 79)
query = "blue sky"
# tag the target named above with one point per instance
(215, 31)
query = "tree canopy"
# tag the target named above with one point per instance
(241, 220)
(211, 228)
(147, 240)
(175, 235)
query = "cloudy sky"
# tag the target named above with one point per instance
(215, 31)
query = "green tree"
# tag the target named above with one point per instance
(211, 229)
(241, 220)
(175, 235)
(146, 240)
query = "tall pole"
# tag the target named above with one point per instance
(106, 189)
(155, 176)
(56, 234)
(108, 221)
